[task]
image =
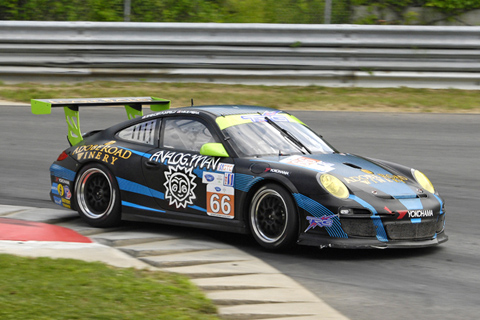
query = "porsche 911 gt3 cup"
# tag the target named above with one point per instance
(244, 169)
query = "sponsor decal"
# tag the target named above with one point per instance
(219, 179)
(60, 190)
(271, 170)
(214, 178)
(220, 201)
(55, 188)
(66, 201)
(99, 100)
(301, 161)
(272, 115)
(367, 171)
(179, 186)
(209, 177)
(68, 194)
(62, 181)
(229, 180)
(185, 159)
(107, 152)
(324, 221)
(57, 200)
(376, 178)
(225, 167)
(413, 214)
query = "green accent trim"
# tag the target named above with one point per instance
(40, 107)
(133, 107)
(234, 120)
(295, 119)
(214, 150)
(73, 123)
(160, 107)
(133, 111)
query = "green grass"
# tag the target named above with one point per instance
(44, 288)
(282, 97)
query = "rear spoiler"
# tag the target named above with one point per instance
(133, 106)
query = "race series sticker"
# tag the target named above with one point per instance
(220, 201)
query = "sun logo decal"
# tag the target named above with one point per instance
(179, 186)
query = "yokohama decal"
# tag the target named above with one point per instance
(414, 214)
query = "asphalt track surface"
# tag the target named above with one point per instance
(433, 283)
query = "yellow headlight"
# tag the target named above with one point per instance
(423, 181)
(334, 185)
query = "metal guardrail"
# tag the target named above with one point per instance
(330, 55)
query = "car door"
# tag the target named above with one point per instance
(184, 180)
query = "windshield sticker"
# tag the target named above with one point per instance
(324, 221)
(166, 112)
(378, 178)
(272, 115)
(185, 159)
(179, 186)
(220, 201)
(305, 162)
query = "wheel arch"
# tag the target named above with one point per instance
(116, 204)
(284, 183)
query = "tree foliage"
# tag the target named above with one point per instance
(449, 8)
(235, 11)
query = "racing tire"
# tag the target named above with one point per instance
(97, 196)
(273, 217)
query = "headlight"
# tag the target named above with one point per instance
(334, 185)
(423, 181)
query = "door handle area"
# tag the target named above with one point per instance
(152, 165)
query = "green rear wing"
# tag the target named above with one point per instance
(133, 107)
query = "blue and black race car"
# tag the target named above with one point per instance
(243, 169)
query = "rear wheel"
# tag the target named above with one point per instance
(273, 217)
(97, 196)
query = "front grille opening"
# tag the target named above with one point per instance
(359, 227)
(411, 231)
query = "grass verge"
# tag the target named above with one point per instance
(281, 97)
(44, 288)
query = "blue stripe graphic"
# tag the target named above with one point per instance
(377, 222)
(138, 153)
(441, 203)
(130, 186)
(137, 206)
(61, 172)
(412, 204)
(244, 182)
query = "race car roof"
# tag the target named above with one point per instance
(226, 110)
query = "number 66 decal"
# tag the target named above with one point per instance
(220, 201)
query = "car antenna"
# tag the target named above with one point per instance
(191, 102)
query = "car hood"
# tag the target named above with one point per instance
(356, 172)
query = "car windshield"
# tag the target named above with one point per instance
(266, 138)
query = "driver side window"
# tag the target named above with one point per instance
(185, 134)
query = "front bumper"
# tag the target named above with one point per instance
(370, 243)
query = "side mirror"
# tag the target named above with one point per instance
(214, 150)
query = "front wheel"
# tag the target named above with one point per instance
(97, 196)
(273, 217)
